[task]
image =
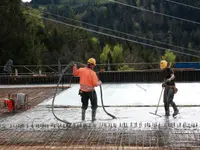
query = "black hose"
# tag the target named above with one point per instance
(103, 104)
(65, 121)
(63, 72)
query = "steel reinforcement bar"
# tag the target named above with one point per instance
(101, 136)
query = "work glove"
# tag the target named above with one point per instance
(168, 80)
(99, 83)
(164, 84)
(73, 63)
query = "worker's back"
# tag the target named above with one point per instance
(88, 78)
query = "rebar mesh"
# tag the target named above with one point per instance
(128, 136)
(36, 95)
(98, 136)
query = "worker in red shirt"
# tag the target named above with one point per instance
(88, 81)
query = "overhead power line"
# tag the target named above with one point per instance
(154, 12)
(116, 31)
(113, 36)
(182, 4)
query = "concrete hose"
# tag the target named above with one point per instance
(53, 101)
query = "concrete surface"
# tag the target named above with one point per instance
(117, 95)
(131, 94)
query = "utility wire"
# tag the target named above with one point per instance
(132, 35)
(154, 12)
(113, 36)
(182, 4)
(116, 31)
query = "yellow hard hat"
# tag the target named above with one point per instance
(92, 61)
(163, 64)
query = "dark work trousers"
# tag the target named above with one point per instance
(85, 96)
(168, 99)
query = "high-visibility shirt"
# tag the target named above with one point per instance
(88, 78)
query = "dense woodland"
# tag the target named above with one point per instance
(41, 32)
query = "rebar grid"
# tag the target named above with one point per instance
(100, 136)
(35, 96)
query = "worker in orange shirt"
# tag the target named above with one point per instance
(88, 81)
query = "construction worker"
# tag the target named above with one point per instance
(88, 81)
(170, 88)
(8, 67)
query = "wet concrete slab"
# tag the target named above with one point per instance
(131, 94)
(131, 116)
(116, 95)
(134, 126)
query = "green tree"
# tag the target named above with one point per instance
(109, 15)
(55, 42)
(112, 55)
(94, 40)
(104, 54)
(34, 36)
(117, 54)
(42, 2)
(22, 34)
(138, 3)
(95, 45)
(125, 68)
(169, 56)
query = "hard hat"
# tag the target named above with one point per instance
(92, 61)
(163, 64)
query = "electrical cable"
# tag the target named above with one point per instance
(183, 4)
(155, 12)
(120, 32)
(113, 36)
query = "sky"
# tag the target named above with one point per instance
(26, 0)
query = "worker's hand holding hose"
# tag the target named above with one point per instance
(99, 83)
(73, 63)
(168, 80)
(164, 84)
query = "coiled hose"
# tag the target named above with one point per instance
(54, 96)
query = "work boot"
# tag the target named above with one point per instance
(167, 113)
(175, 112)
(93, 114)
(83, 114)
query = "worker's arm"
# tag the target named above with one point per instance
(75, 71)
(172, 76)
(96, 81)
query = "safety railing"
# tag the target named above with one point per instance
(106, 77)
(56, 69)
(118, 72)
